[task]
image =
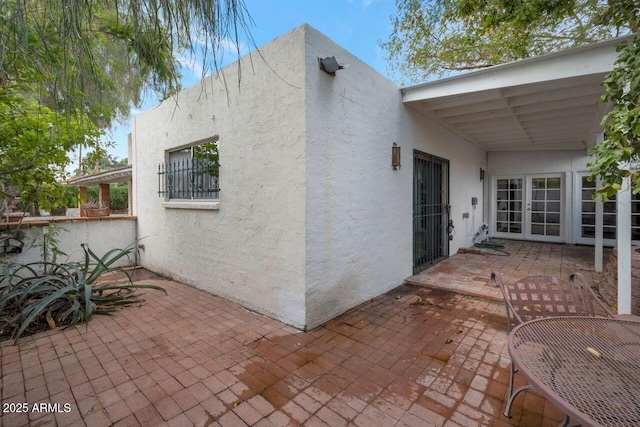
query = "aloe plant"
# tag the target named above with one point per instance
(49, 294)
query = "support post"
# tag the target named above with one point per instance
(599, 243)
(104, 196)
(130, 198)
(599, 252)
(624, 247)
(82, 199)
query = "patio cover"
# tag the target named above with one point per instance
(550, 102)
(103, 179)
(111, 176)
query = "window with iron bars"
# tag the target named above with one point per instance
(191, 173)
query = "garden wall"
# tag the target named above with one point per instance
(101, 235)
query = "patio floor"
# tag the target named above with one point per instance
(468, 272)
(416, 356)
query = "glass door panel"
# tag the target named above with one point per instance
(529, 206)
(609, 216)
(544, 208)
(509, 203)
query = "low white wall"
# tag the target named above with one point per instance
(101, 236)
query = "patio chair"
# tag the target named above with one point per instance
(540, 296)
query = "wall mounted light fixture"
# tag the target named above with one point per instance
(395, 156)
(330, 65)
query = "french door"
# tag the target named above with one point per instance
(585, 211)
(529, 207)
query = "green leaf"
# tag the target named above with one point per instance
(62, 290)
(37, 308)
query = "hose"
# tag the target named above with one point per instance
(498, 247)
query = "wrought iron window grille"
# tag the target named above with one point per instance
(189, 179)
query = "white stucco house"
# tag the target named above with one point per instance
(306, 217)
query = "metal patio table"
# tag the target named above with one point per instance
(589, 367)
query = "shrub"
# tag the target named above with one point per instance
(43, 294)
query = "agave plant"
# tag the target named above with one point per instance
(47, 294)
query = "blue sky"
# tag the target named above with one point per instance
(356, 25)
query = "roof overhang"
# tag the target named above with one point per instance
(550, 102)
(119, 174)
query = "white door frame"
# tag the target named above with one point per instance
(553, 200)
(509, 214)
(526, 195)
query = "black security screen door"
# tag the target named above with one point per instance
(430, 210)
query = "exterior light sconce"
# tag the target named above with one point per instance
(395, 156)
(330, 65)
(481, 174)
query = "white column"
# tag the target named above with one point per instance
(599, 253)
(130, 197)
(599, 244)
(624, 247)
(131, 160)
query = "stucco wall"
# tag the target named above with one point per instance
(251, 249)
(359, 210)
(465, 162)
(312, 218)
(101, 236)
(504, 162)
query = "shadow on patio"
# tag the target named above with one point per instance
(415, 356)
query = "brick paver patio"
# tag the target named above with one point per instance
(468, 273)
(415, 356)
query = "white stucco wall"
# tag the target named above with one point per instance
(465, 162)
(101, 236)
(251, 249)
(359, 231)
(506, 162)
(312, 218)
